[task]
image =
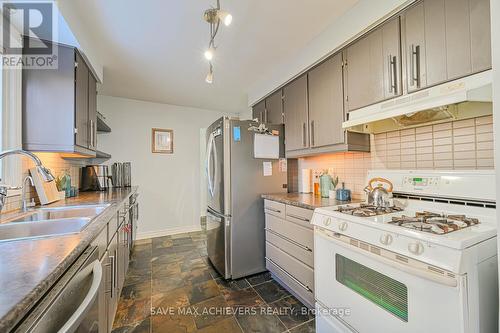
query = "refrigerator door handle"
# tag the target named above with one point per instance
(211, 148)
(216, 214)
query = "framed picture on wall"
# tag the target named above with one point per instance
(162, 141)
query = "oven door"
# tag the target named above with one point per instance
(379, 295)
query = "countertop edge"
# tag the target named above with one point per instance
(285, 199)
(14, 316)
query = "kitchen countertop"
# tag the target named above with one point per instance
(29, 268)
(305, 200)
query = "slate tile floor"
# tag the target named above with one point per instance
(171, 287)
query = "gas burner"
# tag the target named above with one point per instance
(434, 223)
(364, 210)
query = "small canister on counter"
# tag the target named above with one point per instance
(343, 194)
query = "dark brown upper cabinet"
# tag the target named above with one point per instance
(373, 66)
(446, 40)
(60, 106)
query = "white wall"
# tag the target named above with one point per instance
(169, 185)
(358, 19)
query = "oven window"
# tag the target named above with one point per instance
(380, 289)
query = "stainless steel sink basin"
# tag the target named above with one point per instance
(24, 230)
(57, 213)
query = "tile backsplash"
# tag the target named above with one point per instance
(463, 144)
(56, 164)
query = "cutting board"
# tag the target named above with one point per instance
(47, 191)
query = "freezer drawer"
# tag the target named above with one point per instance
(295, 268)
(293, 249)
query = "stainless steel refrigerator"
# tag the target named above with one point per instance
(235, 182)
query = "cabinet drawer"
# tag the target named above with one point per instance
(306, 296)
(274, 208)
(299, 215)
(296, 233)
(295, 250)
(296, 269)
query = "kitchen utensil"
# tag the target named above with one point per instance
(378, 195)
(95, 178)
(127, 174)
(343, 194)
(117, 174)
(46, 191)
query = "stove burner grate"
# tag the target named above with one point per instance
(365, 210)
(434, 223)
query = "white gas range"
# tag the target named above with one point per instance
(427, 264)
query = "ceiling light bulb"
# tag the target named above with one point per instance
(210, 77)
(209, 54)
(225, 17)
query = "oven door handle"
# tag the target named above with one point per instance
(72, 324)
(448, 281)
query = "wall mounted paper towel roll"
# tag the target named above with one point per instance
(306, 181)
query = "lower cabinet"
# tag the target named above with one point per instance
(114, 250)
(113, 293)
(289, 248)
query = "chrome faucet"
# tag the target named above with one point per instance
(24, 204)
(43, 171)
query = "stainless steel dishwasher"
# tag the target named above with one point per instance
(72, 304)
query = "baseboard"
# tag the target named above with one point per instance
(169, 231)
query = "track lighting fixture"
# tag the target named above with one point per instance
(214, 16)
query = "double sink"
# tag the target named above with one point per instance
(48, 222)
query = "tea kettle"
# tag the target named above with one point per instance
(378, 195)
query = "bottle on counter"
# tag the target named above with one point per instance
(316, 185)
(67, 182)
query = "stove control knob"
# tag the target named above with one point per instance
(343, 226)
(416, 248)
(386, 239)
(327, 221)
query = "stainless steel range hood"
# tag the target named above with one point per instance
(460, 99)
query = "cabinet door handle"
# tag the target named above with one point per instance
(298, 217)
(112, 282)
(415, 66)
(394, 64)
(277, 234)
(392, 69)
(304, 134)
(290, 276)
(91, 134)
(265, 116)
(389, 69)
(312, 132)
(273, 210)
